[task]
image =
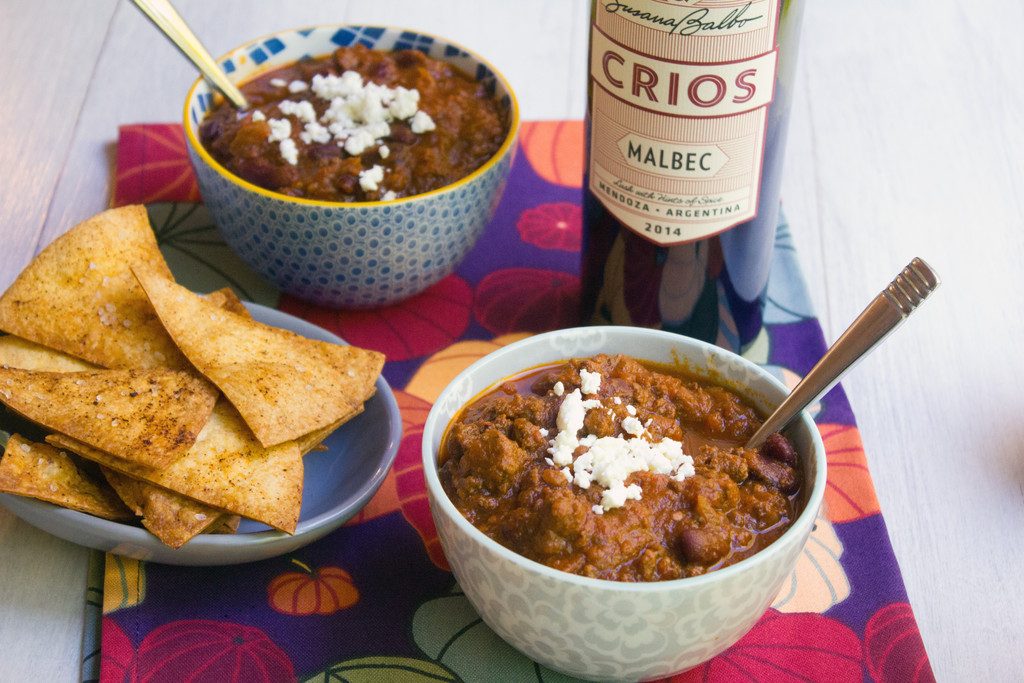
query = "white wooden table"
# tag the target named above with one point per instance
(907, 139)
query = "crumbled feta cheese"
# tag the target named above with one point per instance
(633, 426)
(384, 151)
(558, 389)
(617, 495)
(569, 421)
(303, 110)
(389, 196)
(278, 82)
(280, 129)
(371, 178)
(360, 113)
(609, 461)
(329, 86)
(590, 382)
(405, 103)
(259, 116)
(378, 129)
(631, 410)
(358, 142)
(616, 400)
(421, 122)
(289, 151)
(543, 432)
(314, 132)
(567, 473)
(298, 86)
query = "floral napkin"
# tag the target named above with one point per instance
(375, 600)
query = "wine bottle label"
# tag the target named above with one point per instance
(680, 94)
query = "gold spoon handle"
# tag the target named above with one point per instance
(166, 18)
(881, 317)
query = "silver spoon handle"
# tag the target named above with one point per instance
(167, 19)
(883, 315)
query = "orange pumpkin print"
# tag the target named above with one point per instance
(555, 150)
(849, 493)
(307, 592)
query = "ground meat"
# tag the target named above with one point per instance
(470, 128)
(496, 468)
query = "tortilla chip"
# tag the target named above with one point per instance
(150, 417)
(79, 296)
(171, 517)
(314, 441)
(40, 471)
(16, 352)
(226, 299)
(228, 524)
(284, 385)
(226, 468)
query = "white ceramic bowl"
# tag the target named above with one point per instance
(602, 629)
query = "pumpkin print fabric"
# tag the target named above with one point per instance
(375, 600)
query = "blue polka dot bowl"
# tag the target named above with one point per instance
(349, 255)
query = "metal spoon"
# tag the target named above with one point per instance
(881, 317)
(166, 18)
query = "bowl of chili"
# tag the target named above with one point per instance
(629, 578)
(369, 163)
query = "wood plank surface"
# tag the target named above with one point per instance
(48, 50)
(907, 139)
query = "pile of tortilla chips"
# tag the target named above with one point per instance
(159, 404)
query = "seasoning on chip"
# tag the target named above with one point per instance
(79, 296)
(226, 298)
(284, 385)
(146, 500)
(40, 471)
(227, 524)
(150, 417)
(171, 517)
(16, 352)
(226, 468)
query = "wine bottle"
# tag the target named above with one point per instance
(687, 108)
